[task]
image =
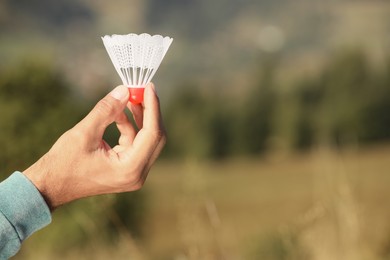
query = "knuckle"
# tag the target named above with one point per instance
(137, 186)
(77, 135)
(74, 135)
(132, 180)
(159, 135)
(164, 138)
(105, 106)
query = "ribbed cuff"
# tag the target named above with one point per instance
(23, 206)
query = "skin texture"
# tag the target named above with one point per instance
(81, 164)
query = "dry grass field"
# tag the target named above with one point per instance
(320, 205)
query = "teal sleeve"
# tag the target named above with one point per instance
(22, 212)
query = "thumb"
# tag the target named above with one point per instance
(106, 110)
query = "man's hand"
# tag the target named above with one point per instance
(82, 164)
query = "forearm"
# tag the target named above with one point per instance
(22, 212)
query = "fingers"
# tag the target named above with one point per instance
(157, 151)
(106, 111)
(152, 114)
(151, 138)
(138, 114)
(126, 130)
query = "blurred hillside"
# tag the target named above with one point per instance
(216, 42)
(298, 73)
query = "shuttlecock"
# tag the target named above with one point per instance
(136, 58)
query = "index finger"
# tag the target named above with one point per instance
(149, 137)
(152, 113)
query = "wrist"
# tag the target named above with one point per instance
(37, 174)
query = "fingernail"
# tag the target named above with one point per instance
(119, 93)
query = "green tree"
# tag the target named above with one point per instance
(35, 109)
(255, 121)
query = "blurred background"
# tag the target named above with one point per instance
(278, 120)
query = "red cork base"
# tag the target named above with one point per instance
(136, 95)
